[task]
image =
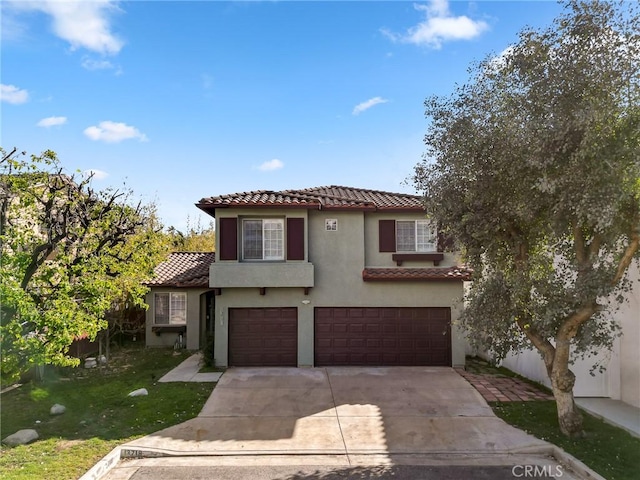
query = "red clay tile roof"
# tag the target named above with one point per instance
(184, 269)
(417, 274)
(331, 197)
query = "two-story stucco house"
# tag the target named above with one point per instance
(332, 276)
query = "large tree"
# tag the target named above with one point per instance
(534, 167)
(69, 253)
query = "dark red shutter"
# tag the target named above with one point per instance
(387, 235)
(228, 239)
(295, 238)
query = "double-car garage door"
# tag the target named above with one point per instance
(382, 336)
(343, 336)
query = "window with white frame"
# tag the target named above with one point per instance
(263, 239)
(331, 224)
(415, 236)
(170, 308)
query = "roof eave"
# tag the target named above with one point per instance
(213, 206)
(367, 278)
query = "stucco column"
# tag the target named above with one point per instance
(305, 334)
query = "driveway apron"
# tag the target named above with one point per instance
(341, 411)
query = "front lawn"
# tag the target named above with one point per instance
(608, 450)
(99, 415)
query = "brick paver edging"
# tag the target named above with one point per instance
(495, 388)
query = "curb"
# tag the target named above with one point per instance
(564, 458)
(111, 460)
(104, 466)
(575, 464)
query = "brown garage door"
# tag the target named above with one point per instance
(263, 337)
(382, 336)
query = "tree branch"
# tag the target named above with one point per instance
(569, 327)
(578, 242)
(543, 345)
(627, 257)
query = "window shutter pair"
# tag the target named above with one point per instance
(387, 237)
(229, 239)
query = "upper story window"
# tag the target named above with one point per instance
(263, 239)
(408, 236)
(170, 308)
(415, 236)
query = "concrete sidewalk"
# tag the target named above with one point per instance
(614, 412)
(188, 371)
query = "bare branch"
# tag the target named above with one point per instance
(627, 257)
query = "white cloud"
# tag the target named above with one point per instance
(271, 165)
(51, 122)
(91, 64)
(95, 174)
(13, 94)
(84, 24)
(439, 26)
(361, 107)
(113, 132)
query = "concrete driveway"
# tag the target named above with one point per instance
(341, 411)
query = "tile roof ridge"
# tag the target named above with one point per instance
(288, 192)
(337, 197)
(246, 192)
(360, 189)
(299, 193)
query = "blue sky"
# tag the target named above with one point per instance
(189, 99)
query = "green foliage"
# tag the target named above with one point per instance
(69, 254)
(533, 166)
(38, 394)
(99, 414)
(197, 239)
(208, 350)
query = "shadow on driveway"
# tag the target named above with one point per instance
(342, 411)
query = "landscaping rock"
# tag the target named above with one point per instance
(57, 409)
(138, 393)
(21, 437)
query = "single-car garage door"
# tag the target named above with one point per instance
(382, 336)
(263, 337)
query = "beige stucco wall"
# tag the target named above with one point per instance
(621, 379)
(339, 258)
(193, 318)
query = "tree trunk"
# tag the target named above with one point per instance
(562, 381)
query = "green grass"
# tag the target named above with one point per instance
(99, 413)
(608, 450)
(101, 416)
